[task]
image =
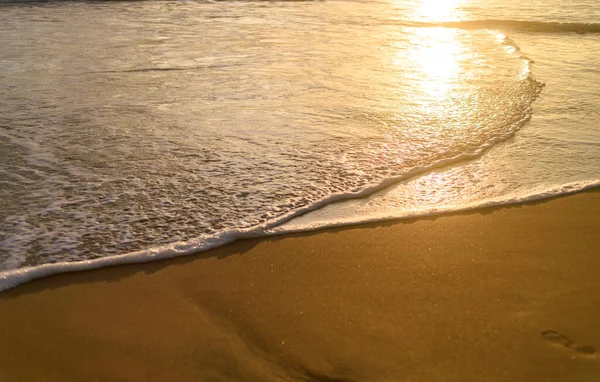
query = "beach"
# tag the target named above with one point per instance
(381, 190)
(506, 294)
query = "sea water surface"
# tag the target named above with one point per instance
(132, 131)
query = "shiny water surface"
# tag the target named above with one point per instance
(130, 125)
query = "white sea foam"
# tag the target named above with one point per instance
(12, 278)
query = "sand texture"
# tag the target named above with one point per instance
(509, 294)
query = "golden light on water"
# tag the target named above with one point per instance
(435, 58)
(435, 52)
(437, 10)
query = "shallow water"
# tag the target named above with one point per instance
(557, 152)
(164, 128)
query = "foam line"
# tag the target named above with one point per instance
(502, 201)
(13, 278)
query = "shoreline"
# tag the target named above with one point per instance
(500, 294)
(16, 277)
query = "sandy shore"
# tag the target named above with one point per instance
(508, 294)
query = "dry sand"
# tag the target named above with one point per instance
(509, 294)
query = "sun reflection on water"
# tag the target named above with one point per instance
(437, 10)
(436, 50)
(435, 57)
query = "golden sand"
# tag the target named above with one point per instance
(510, 294)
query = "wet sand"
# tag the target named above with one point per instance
(510, 294)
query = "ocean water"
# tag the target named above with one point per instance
(133, 131)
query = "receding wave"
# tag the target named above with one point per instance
(518, 25)
(230, 127)
(15, 277)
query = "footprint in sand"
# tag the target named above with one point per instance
(556, 338)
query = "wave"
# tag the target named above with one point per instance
(13, 278)
(516, 25)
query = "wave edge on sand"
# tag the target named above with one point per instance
(13, 278)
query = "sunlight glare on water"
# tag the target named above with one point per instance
(436, 54)
(558, 151)
(437, 10)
